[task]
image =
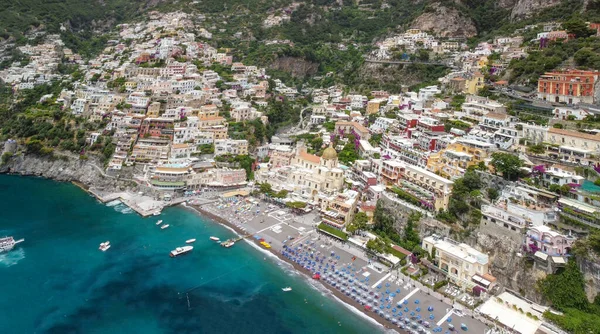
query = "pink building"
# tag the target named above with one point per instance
(543, 239)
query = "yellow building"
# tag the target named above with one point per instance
(372, 107)
(453, 161)
(475, 83)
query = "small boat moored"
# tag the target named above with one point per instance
(181, 250)
(190, 241)
(228, 243)
(164, 226)
(159, 222)
(214, 239)
(286, 289)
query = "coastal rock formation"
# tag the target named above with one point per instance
(443, 21)
(62, 168)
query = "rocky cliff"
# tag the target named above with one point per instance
(297, 67)
(525, 8)
(510, 269)
(443, 21)
(63, 168)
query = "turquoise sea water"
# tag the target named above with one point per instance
(57, 281)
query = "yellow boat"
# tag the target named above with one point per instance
(265, 244)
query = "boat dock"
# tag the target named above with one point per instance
(145, 206)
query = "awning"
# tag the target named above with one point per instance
(541, 255)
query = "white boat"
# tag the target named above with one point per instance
(214, 239)
(286, 289)
(190, 241)
(104, 246)
(159, 222)
(164, 226)
(156, 213)
(181, 250)
(228, 243)
(8, 243)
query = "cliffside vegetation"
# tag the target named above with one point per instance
(565, 290)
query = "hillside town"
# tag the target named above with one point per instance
(467, 154)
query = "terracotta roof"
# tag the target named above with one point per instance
(402, 250)
(496, 115)
(574, 134)
(171, 169)
(356, 125)
(310, 157)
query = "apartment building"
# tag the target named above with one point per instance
(357, 129)
(569, 86)
(338, 210)
(431, 189)
(150, 150)
(463, 264)
(231, 147)
(544, 239)
(475, 107)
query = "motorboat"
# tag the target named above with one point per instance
(159, 222)
(190, 241)
(214, 239)
(8, 243)
(156, 213)
(286, 289)
(164, 226)
(104, 246)
(181, 250)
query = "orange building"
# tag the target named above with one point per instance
(569, 86)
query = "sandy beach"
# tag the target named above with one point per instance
(388, 297)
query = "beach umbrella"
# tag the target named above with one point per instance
(431, 316)
(388, 306)
(449, 320)
(430, 308)
(418, 309)
(412, 314)
(399, 313)
(397, 290)
(387, 284)
(417, 301)
(406, 302)
(406, 309)
(394, 310)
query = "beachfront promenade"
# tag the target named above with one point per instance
(388, 293)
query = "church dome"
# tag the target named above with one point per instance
(329, 153)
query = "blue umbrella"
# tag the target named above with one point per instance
(406, 309)
(431, 317)
(430, 308)
(449, 319)
(418, 309)
(405, 302)
(397, 290)
(417, 301)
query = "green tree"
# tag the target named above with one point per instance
(359, 223)
(492, 194)
(578, 27)
(509, 165)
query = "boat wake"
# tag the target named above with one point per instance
(122, 208)
(13, 257)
